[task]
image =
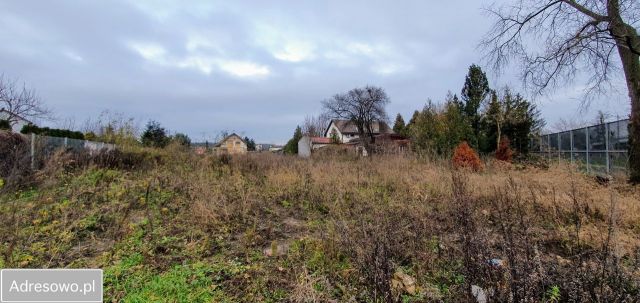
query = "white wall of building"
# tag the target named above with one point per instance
(344, 138)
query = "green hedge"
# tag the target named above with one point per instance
(4, 124)
(52, 132)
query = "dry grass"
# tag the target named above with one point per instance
(265, 227)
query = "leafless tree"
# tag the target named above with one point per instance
(315, 126)
(363, 106)
(555, 40)
(20, 101)
(566, 124)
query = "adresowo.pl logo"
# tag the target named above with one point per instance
(51, 285)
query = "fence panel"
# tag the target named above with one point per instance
(43, 147)
(601, 148)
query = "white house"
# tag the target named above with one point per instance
(17, 122)
(345, 130)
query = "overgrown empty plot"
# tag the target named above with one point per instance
(262, 227)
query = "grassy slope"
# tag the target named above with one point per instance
(269, 228)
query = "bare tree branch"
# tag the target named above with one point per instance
(362, 106)
(20, 102)
(315, 126)
(557, 39)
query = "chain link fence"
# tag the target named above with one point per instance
(601, 148)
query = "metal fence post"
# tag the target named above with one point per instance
(33, 151)
(571, 145)
(559, 148)
(65, 141)
(587, 148)
(606, 146)
(549, 148)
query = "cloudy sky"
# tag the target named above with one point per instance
(253, 67)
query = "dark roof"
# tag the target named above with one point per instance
(227, 137)
(348, 127)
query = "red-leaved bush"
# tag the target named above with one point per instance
(465, 157)
(504, 152)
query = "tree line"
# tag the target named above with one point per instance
(481, 116)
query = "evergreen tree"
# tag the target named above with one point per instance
(251, 144)
(511, 116)
(522, 120)
(399, 126)
(426, 129)
(292, 145)
(181, 139)
(474, 93)
(154, 135)
(414, 117)
(457, 128)
(457, 102)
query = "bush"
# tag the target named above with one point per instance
(5, 125)
(112, 159)
(91, 136)
(15, 167)
(465, 157)
(51, 132)
(126, 160)
(504, 152)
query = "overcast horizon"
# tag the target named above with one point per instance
(254, 68)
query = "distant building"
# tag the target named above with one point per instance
(263, 147)
(387, 144)
(275, 148)
(17, 122)
(346, 130)
(345, 134)
(307, 144)
(231, 144)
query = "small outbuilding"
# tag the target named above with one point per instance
(307, 144)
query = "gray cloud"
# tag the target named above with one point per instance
(255, 67)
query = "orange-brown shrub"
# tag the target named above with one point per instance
(465, 157)
(504, 152)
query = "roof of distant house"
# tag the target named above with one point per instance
(227, 137)
(348, 127)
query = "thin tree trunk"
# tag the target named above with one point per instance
(628, 44)
(364, 139)
(499, 127)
